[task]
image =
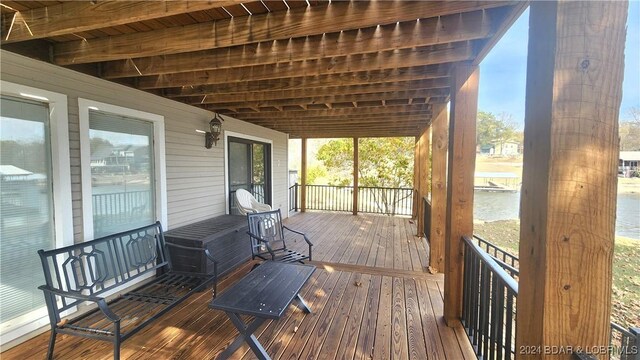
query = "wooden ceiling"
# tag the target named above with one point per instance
(307, 68)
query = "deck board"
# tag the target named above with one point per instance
(359, 311)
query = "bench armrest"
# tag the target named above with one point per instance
(300, 233)
(100, 301)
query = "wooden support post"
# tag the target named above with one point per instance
(462, 158)
(355, 175)
(423, 166)
(416, 179)
(303, 176)
(439, 146)
(568, 202)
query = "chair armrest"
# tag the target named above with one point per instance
(266, 243)
(300, 233)
(259, 207)
(100, 301)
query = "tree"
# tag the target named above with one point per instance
(630, 131)
(493, 130)
(383, 163)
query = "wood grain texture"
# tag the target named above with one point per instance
(322, 92)
(439, 147)
(404, 35)
(423, 163)
(392, 59)
(294, 23)
(462, 156)
(435, 74)
(78, 16)
(570, 173)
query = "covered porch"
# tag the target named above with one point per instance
(280, 70)
(370, 297)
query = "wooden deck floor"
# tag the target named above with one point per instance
(359, 311)
(385, 242)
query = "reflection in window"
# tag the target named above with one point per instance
(26, 211)
(122, 172)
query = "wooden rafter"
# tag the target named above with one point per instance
(319, 92)
(325, 66)
(327, 99)
(312, 20)
(77, 16)
(426, 32)
(435, 75)
(334, 112)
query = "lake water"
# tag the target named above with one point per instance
(491, 206)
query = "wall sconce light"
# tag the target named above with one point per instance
(212, 136)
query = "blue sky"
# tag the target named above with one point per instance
(503, 71)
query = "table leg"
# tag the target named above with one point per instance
(303, 305)
(246, 334)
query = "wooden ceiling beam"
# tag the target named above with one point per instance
(403, 58)
(326, 99)
(437, 76)
(333, 112)
(420, 121)
(312, 20)
(328, 91)
(353, 133)
(77, 16)
(426, 32)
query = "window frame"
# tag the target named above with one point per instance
(84, 105)
(61, 184)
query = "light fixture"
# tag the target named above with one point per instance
(212, 136)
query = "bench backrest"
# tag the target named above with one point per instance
(97, 266)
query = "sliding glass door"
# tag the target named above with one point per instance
(249, 169)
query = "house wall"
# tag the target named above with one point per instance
(195, 175)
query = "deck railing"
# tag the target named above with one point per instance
(293, 197)
(122, 204)
(376, 200)
(624, 343)
(489, 303)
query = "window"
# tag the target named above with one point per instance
(35, 194)
(123, 177)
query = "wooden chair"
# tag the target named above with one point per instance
(246, 203)
(268, 240)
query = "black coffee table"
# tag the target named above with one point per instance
(265, 293)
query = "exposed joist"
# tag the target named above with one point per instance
(341, 120)
(334, 112)
(327, 99)
(319, 92)
(271, 26)
(78, 16)
(351, 133)
(404, 58)
(436, 75)
(426, 32)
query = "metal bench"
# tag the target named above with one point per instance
(88, 272)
